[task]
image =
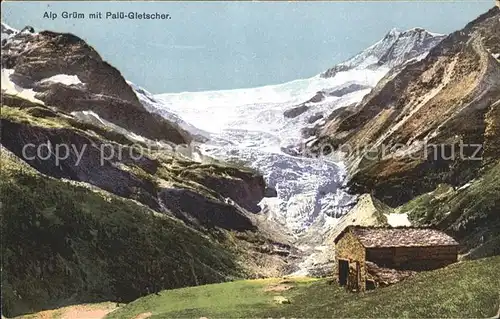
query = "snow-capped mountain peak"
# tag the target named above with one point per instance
(394, 32)
(7, 31)
(392, 50)
(409, 44)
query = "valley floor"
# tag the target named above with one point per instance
(467, 290)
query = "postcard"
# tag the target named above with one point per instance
(250, 159)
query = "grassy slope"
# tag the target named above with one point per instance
(64, 243)
(468, 289)
(73, 221)
(471, 213)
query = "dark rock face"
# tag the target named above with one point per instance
(296, 111)
(319, 97)
(307, 132)
(346, 90)
(292, 150)
(247, 191)
(29, 29)
(35, 57)
(197, 210)
(314, 118)
(270, 192)
(330, 73)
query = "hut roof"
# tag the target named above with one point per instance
(371, 237)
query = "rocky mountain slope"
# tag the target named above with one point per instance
(96, 203)
(35, 58)
(393, 51)
(427, 123)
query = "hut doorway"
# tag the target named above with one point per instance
(343, 272)
(358, 276)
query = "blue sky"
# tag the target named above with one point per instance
(226, 45)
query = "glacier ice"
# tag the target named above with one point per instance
(248, 126)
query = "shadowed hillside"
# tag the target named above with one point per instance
(120, 214)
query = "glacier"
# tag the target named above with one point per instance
(248, 126)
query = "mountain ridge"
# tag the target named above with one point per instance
(393, 49)
(398, 135)
(35, 57)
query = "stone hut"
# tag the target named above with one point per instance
(403, 249)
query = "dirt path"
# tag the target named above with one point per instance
(88, 311)
(143, 315)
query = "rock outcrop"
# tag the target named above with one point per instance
(321, 96)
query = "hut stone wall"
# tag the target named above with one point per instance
(350, 249)
(413, 258)
(382, 256)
